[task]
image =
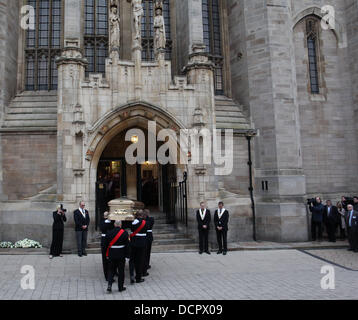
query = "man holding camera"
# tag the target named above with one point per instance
(82, 220)
(59, 217)
(317, 208)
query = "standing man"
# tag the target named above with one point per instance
(116, 242)
(82, 220)
(139, 229)
(59, 218)
(149, 241)
(317, 209)
(355, 203)
(106, 226)
(203, 218)
(352, 226)
(330, 218)
(221, 220)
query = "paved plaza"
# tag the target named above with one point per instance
(261, 274)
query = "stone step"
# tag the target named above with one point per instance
(33, 123)
(231, 120)
(232, 108)
(172, 241)
(174, 247)
(51, 110)
(31, 116)
(31, 104)
(235, 114)
(36, 96)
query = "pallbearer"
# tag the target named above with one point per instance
(203, 218)
(106, 226)
(149, 241)
(138, 242)
(116, 250)
(221, 220)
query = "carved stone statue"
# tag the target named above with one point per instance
(115, 34)
(137, 17)
(159, 29)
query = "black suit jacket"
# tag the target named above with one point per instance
(333, 216)
(80, 220)
(117, 253)
(58, 221)
(150, 224)
(354, 219)
(139, 241)
(206, 221)
(223, 221)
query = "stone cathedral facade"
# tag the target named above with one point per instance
(90, 70)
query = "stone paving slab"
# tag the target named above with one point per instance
(259, 274)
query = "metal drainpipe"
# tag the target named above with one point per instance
(251, 188)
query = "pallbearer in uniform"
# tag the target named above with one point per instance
(106, 226)
(117, 243)
(203, 218)
(138, 242)
(149, 241)
(221, 220)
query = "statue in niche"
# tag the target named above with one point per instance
(115, 33)
(159, 29)
(137, 16)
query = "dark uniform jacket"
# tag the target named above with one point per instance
(206, 221)
(150, 224)
(106, 226)
(123, 242)
(80, 220)
(333, 216)
(223, 221)
(317, 212)
(58, 221)
(354, 224)
(140, 239)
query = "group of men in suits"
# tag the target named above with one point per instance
(221, 221)
(117, 245)
(330, 217)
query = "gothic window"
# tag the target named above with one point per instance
(96, 35)
(212, 40)
(148, 30)
(312, 38)
(43, 45)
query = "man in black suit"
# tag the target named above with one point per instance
(106, 226)
(116, 242)
(203, 218)
(330, 218)
(221, 220)
(352, 227)
(355, 203)
(149, 241)
(139, 229)
(82, 220)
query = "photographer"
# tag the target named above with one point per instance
(317, 209)
(59, 218)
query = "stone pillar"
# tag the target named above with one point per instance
(196, 33)
(281, 213)
(73, 20)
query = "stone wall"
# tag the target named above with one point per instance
(29, 164)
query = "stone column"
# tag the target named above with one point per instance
(281, 213)
(196, 33)
(73, 28)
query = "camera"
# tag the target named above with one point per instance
(62, 208)
(349, 200)
(311, 201)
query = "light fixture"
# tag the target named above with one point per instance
(134, 139)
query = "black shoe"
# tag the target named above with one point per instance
(122, 289)
(84, 253)
(149, 267)
(80, 255)
(109, 289)
(208, 252)
(139, 281)
(224, 253)
(145, 274)
(200, 252)
(355, 250)
(350, 249)
(219, 252)
(132, 281)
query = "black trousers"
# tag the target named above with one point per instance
(331, 231)
(113, 266)
(57, 242)
(105, 261)
(314, 226)
(203, 240)
(148, 250)
(81, 237)
(136, 262)
(353, 238)
(221, 236)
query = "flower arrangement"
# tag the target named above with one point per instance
(26, 243)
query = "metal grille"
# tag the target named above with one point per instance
(43, 45)
(96, 35)
(212, 40)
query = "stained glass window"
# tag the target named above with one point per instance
(311, 27)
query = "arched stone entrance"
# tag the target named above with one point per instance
(113, 127)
